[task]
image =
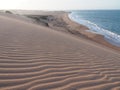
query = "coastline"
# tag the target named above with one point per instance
(109, 35)
(94, 36)
(48, 51)
(60, 21)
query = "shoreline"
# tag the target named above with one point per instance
(95, 37)
(60, 21)
(109, 36)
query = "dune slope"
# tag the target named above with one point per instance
(38, 58)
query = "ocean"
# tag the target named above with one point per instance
(103, 22)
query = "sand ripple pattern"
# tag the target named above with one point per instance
(37, 58)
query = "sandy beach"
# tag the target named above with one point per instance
(47, 51)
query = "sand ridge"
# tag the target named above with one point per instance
(33, 57)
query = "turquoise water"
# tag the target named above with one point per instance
(104, 22)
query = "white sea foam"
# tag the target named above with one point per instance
(111, 37)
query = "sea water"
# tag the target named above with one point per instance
(104, 22)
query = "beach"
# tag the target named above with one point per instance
(60, 21)
(48, 51)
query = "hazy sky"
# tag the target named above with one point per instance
(59, 4)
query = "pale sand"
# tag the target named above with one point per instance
(35, 57)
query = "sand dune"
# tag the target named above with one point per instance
(33, 57)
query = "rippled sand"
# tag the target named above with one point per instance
(34, 57)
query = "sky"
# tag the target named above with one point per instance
(59, 4)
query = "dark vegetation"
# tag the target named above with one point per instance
(9, 12)
(44, 20)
